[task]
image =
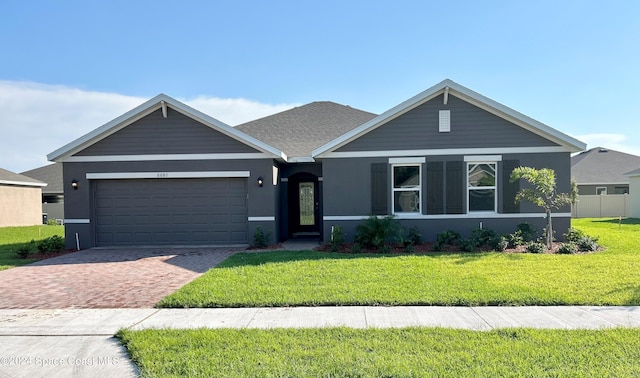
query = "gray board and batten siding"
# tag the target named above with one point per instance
(176, 134)
(471, 127)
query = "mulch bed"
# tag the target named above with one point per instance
(425, 248)
(47, 255)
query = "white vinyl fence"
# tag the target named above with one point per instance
(601, 206)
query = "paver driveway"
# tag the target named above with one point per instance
(106, 278)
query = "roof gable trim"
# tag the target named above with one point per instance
(149, 107)
(474, 98)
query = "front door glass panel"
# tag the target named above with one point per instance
(307, 204)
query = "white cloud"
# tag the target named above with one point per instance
(36, 119)
(617, 142)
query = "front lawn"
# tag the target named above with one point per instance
(308, 278)
(408, 352)
(12, 238)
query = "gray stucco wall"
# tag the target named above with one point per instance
(78, 203)
(176, 134)
(471, 127)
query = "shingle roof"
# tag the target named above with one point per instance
(11, 178)
(51, 174)
(603, 166)
(300, 130)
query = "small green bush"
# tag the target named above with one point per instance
(24, 251)
(515, 239)
(374, 232)
(356, 248)
(483, 236)
(568, 248)
(536, 247)
(587, 244)
(527, 231)
(468, 245)
(448, 237)
(409, 248)
(573, 235)
(385, 248)
(51, 244)
(500, 243)
(337, 238)
(415, 237)
(52, 222)
(260, 238)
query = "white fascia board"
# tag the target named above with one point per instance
(380, 120)
(572, 144)
(261, 219)
(108, 128)
(165, 157)
(77, 221)
(165, 175)
(22, 183)
(516, 117)
(149, 107)
(446, 151)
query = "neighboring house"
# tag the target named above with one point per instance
(165, 173)
(602, 171)
(52, 194)
(20, 199)
(634, 193)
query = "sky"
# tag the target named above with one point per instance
(69, 67)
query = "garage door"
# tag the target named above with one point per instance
(171, 211)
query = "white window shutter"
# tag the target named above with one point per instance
(444, 121)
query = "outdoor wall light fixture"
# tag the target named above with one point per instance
(74, 184)
(260, 181)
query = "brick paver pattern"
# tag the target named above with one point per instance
(106, 278)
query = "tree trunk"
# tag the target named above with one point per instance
(549, 233)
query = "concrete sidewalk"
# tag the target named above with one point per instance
(80, 342)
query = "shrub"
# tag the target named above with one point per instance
(415, 237)
(527, 231)
(409, 248)
(385, 249)
(51, 244)
(515, 239)
(52, 222)
(587, 244)
(24, 251)
(500, 243)
(260, 238)
(573, 235)
(373, 232)
(356, 248)
(568, 248)
(337, 238)
(468, 245)
(483, 236)
(448, 237)
(536, 247)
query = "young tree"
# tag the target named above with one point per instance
(542, 193)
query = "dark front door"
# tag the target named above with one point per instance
(304, 219)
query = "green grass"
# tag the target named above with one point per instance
(407, 352)
(12, 238)
(296, 278)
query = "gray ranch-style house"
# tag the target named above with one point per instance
(167, 174)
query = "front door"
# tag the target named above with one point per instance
(304, 219)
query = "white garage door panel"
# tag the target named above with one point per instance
(171, 211)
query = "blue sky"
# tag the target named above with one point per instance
(68, 67)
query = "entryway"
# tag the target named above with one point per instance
(304, 206)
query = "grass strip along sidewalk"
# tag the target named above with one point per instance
(310, 278)
(408, 352)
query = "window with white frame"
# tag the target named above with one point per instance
(406, 187)
(482, 186)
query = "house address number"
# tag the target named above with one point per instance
(163, 174)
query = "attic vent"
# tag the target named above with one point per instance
(444, 125)
(603, 150)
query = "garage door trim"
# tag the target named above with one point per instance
(166, 175)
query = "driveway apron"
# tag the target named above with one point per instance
(106, 278)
